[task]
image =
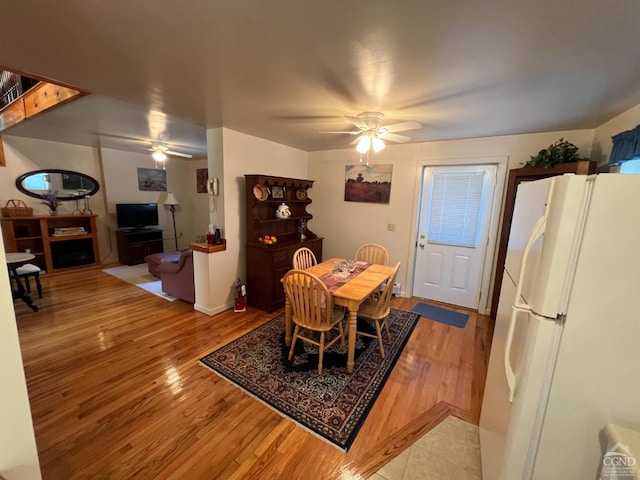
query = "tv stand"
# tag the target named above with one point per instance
(136, 243)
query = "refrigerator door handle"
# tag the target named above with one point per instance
(536, 233)
(518, 306)
(508, 370)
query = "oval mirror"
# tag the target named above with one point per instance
(66, 184)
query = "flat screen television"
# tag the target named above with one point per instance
(137, 215)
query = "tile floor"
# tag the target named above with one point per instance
(450, 451)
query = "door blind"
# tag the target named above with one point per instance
(455, 208)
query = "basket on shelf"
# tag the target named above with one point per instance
(16, 208)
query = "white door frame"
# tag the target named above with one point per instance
(501, 162)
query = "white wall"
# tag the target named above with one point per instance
(121, 186)
(244, 154)
(26, 154)
(116, 172)
(347, 225)
(18, 453)
(194, 207)
(215, 151)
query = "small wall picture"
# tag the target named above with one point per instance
(277, 192)
(202, 174)
(368, 183)
(152, 180)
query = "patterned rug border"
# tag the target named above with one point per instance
(345, 437)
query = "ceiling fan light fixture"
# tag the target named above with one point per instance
(159, 156)
(364, 144)
(371, 135)
(377, 144)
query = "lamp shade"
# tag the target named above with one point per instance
(377, 144)
(159, 156)
(363, 144)
(171, 199)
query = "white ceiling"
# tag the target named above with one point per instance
(287, 69)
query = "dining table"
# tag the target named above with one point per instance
(350, 290)
(14, 261)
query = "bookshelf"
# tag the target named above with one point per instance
(59, 242)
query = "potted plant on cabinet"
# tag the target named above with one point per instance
(559, 152)
(52, 201)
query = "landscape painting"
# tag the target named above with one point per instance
(368, 183)
(152, 180)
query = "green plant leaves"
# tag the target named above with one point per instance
(558, 152)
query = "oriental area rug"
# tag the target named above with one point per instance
(333, 405)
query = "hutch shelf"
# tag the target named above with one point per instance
(267, 264)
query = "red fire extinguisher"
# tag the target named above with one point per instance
(241, 294)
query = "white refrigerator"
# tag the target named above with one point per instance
(565, 356)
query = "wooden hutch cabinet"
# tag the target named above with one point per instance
(267, 264)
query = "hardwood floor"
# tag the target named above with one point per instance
(117, 391)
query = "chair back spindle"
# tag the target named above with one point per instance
(304, 258)
(384, 302)
(372, 253)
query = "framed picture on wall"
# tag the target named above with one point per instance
(368, 183)
(277, 192)
(152, 180)
(201, 180)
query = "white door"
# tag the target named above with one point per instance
(453, 230)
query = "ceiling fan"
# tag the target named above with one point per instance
(371, 134)
(160, 152)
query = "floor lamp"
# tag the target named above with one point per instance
(172, 201)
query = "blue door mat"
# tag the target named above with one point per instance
(442, 315)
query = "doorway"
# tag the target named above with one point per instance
(453, 233)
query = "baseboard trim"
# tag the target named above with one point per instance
(212, 311)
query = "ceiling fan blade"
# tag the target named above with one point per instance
(357, 122)
(299, 118)
(395, 138)
(178, 154)
(350, 133)
(402, 126)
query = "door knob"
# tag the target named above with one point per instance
(421, 245)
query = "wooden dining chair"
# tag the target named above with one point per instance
(312, 312)
(372, 253)
(303, 258)
(376, 311)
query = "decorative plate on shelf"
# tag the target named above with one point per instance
(260, 192)
(301, 194)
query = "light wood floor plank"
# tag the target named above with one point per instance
(117, 391)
